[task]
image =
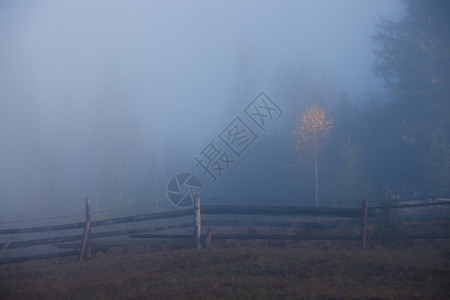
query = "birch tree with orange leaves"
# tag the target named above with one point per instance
(314, 125)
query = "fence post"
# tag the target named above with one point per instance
(87, 233)
(6, 244)
(197, 223)
(364, 225)
(208, 238)
(430, 207)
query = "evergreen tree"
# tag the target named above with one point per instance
(351, 183)
(413, 59)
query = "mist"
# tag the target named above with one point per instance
(110, 99)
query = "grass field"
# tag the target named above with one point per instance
(252, 271)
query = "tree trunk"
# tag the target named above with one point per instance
(315, 168)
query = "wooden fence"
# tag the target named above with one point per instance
(364, 222)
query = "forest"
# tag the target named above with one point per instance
(403, 142)
(378, 147)
(96, 134)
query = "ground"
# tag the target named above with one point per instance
(254, 270)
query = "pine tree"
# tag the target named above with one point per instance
(351, 183)
(413, 59)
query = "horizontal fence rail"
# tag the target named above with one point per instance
(146, 217)
(400, 219)
(280, 211)
(43, 228)
(286, 224)
(121, 220)
(285, 237)
(413, 205)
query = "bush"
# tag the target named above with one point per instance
(389, 227)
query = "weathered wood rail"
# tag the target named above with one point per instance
(207, 216)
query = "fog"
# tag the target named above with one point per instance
(110, 99)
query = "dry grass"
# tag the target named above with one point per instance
(253, 271)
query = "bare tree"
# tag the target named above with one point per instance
(314, 125)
